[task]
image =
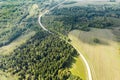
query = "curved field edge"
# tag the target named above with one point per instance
(78, 68)
(103, 58)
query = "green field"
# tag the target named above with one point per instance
(78, 68)
(7, 76)
(8, 49)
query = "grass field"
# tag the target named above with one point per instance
(6, 50)
(103, 57)
(7, 76)
(85, 3)
(78, 68)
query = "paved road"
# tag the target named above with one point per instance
(83, 58)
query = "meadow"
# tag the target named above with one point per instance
(103, 56)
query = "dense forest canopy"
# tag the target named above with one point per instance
(44, 56)
(20, 16)
(14, 21)
(66, 19)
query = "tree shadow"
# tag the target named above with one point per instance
(72, 61)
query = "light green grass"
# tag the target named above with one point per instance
(78, 68)
(7, 76)
(86, 3)
(32, 10)
(6, 50)
(116, 32)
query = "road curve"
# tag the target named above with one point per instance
(39, 18)
(83, 58)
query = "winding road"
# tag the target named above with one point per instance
(39, 18)
(83, 58)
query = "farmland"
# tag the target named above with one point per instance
(70, 42)
(103, 57)
(93, 30)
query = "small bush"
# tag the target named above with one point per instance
(96, 40)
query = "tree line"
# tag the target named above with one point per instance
(82, 17)
(43, 57)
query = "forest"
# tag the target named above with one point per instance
(43, 57)
(64, 19)
(46, 56)
(14, 21)
(19, 17)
